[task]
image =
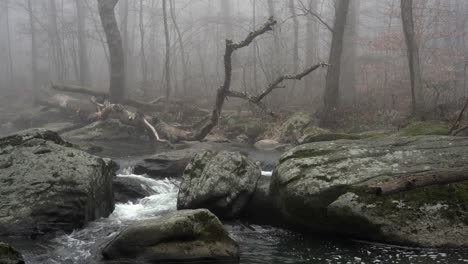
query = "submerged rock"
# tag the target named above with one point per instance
(222, 182)
(130, 189)
(181, 236)
(322, 187)
(48, 186)
(166, 164)
(9, 255)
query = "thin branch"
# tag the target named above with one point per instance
(310, 12)
(456, 124)
(299, 76)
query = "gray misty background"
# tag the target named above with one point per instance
(62, 41)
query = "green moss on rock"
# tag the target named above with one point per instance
(426, 128)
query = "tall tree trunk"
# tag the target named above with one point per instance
(56, 44)
(254, 46)
(114, 43)
(167, 67)
(312, 48)
(276, 43)
(348, 64)
(181, 45)
(85, 73)
(144, 65)
(332, 85)
(292, 10)
(123, 11)
(34, 69)
(413, 58)
(10, 78)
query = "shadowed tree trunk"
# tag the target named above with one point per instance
(332, 86)
(85, 73)
(417, 99)
(114, 43)
(348, 64)
(10, 79)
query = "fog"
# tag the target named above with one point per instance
(374, 72)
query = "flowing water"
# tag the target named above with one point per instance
(263, 245)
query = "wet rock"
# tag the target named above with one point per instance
(321, 187)
(9, 255)
(222, 182)
(130, 189)
(181, 236)
(47, 186)
(166, 164)
(261, 208)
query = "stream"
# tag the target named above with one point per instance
(260, 245)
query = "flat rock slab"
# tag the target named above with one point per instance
(321, 187)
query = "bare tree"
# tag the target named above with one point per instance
(144, 65)
(348, 74)
(84, 73)
(413, 58)
(332, 86)
(34, 69)
(181, 45)
(56, 50)
(10, 78)
(114, 43)
(292, 10)
(167, 64)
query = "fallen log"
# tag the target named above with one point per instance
(420, 179)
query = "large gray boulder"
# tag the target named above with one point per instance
(181, 236)
(323, 187)
(46, 185)
(9, 255)
(222, 182)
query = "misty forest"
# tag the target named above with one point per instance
(233, 131)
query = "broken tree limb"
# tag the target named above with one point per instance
(456, 125)
(256, 100)
(421, 179)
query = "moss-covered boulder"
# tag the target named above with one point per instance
(48, 186)
(425, 128)
(293, 128)
(178, 237)
(322, 187)
(9, 255)
(317, 134)
(222, 182)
